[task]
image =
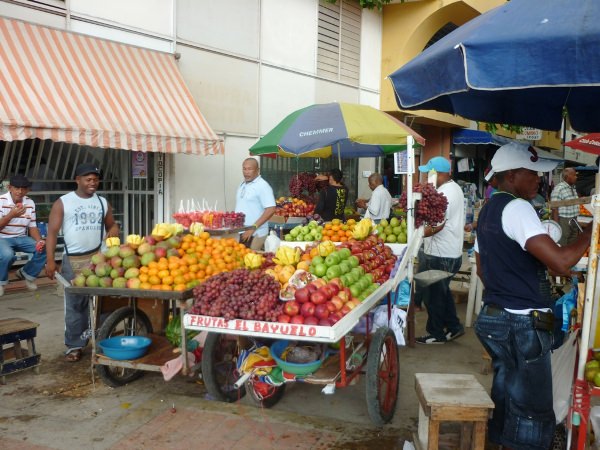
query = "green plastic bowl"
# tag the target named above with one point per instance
(300, 369)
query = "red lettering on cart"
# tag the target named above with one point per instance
(312, 331)
(285, 329)
(241, 325)
(294, 329)
(257, 327)
(274, 327)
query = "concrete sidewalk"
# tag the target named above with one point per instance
(62, 408)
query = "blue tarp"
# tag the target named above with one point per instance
(466, 136)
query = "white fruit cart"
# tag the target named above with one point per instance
(375, 353)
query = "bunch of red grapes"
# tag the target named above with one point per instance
(239, 294)
(268, 262)
(431, 209)
(301, 182)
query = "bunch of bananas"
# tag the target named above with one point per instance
(287, 256)
(325, 248)
(196, 228)
(362, 229)
(166, 230)
(134, 240)
(113, 242)
(253, 260)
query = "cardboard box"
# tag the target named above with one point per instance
(277, 219)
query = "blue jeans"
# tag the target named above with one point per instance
(523, 417)
(441, 310)
(25, 244)
(77, 314)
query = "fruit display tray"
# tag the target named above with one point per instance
(222, 231)
(277, 330)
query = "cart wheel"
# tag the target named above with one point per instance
(122, 322)
(383, 376)
(219, 371)
(264, 394)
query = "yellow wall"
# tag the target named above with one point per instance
(407, 27)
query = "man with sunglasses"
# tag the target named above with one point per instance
(19, 233)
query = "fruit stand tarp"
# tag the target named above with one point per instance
(345, 130)
(84, 90)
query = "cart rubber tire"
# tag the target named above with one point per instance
(219, 371)
(382, 377)
(119, 376)
(275, 394)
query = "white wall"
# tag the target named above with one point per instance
(247, 63)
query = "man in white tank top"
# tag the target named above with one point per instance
(86, 220)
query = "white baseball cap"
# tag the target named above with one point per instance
(519, 156)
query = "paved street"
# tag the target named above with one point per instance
(61, 408)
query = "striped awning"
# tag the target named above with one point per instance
(74, 88)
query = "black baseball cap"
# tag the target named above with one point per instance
(19, 181)
(86, 169)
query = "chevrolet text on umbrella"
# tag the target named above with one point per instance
(313, 132)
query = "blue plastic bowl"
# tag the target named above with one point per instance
(125, 347)
(301, 369)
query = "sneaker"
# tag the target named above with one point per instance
(450, 336)
(429, 339)
(31, 286)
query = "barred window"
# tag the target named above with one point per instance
(338, 52)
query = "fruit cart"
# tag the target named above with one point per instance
(130, 320)
(375, 354)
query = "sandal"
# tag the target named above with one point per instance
(74, 355)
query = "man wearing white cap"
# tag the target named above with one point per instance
(515, 325)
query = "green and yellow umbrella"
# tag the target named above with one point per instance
(344, 129)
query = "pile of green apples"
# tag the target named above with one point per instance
(302, 233)
(392, 231)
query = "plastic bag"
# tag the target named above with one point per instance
(397, 321)
(272, 242)
(562, 313)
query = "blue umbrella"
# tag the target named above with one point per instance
(523, 63)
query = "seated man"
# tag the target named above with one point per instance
(19, 233)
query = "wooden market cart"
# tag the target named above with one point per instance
(130, 320)
(375, 354)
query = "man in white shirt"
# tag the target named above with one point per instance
(19, 233)
(255, 199)
(380, 205)
(443, 251)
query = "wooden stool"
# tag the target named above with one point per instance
(447, 397)
(14, 358)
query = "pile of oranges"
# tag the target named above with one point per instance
(338, 231)
(199, 257)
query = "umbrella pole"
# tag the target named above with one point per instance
(590, 285)
(339, 156)
(410, 214)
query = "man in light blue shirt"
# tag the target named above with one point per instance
(255, 199)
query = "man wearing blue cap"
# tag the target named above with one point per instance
(443, 251)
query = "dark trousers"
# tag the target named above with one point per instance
(441, 310)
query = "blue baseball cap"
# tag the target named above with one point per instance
(437, 163)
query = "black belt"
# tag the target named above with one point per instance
(541, 320)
